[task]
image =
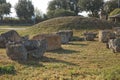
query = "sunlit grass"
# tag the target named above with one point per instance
(76, 61)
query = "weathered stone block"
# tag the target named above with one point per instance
(16, 51)
(105, 35)
(66, 35)
(11, 36)
(35, 48)
(2, 42)
(114, 44)
(53, 40)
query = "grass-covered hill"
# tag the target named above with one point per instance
(72, 22)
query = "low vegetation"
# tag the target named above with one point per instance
(7, 69)
(73, 22)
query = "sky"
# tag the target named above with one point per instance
(40, 4)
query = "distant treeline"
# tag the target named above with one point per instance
(14, 21)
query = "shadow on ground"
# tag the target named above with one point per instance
(38, 62)
(54, 60)
(79, 44)
(64, 51)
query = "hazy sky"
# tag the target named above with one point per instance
(40, 4)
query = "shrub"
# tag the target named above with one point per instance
(7, 69)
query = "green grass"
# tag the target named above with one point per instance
(72, 22)
(79, 60)
(75, 61)
(9, 69)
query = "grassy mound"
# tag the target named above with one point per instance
(72, 22)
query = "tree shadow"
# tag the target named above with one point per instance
(37, 62)
(64, 51)
(79, 44)
(31, 62)
(76, 38)
(54, 60)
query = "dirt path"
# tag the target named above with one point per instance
(13, 28)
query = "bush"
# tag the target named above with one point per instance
(114, 12)
(7, 69)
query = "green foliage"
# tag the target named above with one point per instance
(60, 13)
(58, 4)
(110, 5)
(24, 9)
(68, 5)
(39, 16)
(115, 12)
(4, 8)
(7, 69)
(92, 6)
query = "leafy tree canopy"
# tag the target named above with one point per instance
(68, 5)
(110, 6)
(24, 9)
(92, 6)
(4, 8)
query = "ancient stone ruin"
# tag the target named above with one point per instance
(114, 44)
(12, 36)
(66, 35)
(117, 31)
(89, 36)
(16, 51)
(21, 48)
(105, 35)
(35, 48)
(53, 40)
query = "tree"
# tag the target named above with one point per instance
(61, 5)
(58, 4)
(24, 9)
(61, 13)
(4, 8)
(39, 16)
(92, 6)
(110, 6)
(74, 6)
